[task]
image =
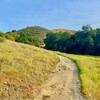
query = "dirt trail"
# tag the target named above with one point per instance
(63, 84)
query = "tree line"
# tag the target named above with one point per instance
(85, 41)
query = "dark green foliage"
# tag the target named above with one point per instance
(83, 42)
(57, 41)
(97, 42)
(86, 28)
(86, 41)
(14, 31)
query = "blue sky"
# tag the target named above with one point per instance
(69, 14)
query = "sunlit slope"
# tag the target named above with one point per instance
(59, 30)
(89, 71)
(23, 68)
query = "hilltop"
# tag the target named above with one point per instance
(41, 31)
(60, 30)
(37, 31)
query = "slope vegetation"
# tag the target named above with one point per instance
(23, 69)
(36, 31)
(59, 30)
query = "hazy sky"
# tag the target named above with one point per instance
(70, 14)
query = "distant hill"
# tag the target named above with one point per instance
(39, 34)
(41, 31)
(37, 31)
(64, 30)
(23, 68)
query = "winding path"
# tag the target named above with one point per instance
(63, 83)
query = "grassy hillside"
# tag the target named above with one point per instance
(63, 30)
(32, 35)
(36, 31)
(89, 67)
(41, 32)
(23, 69)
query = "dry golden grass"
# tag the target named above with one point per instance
(23, 69)
(89, 70)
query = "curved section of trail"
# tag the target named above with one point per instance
(63, 83)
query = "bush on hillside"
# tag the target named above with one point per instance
(29, 39)
(11, 36)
